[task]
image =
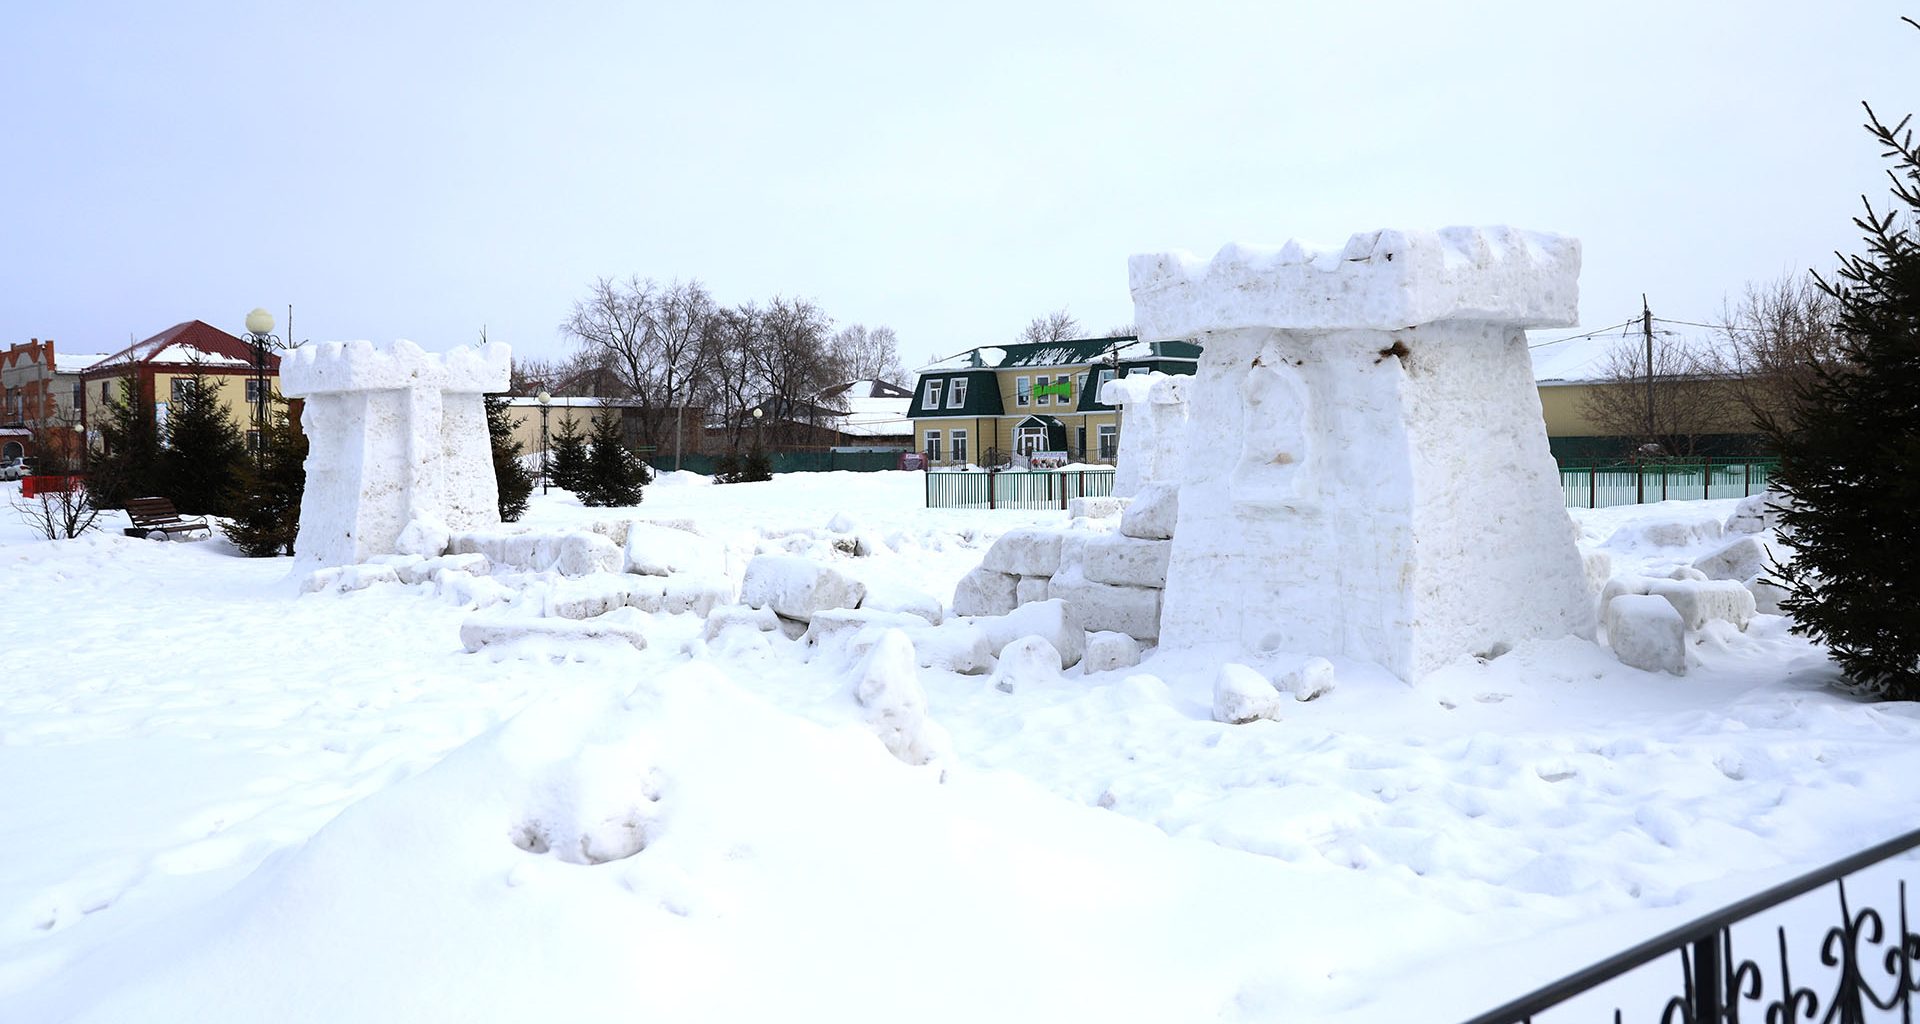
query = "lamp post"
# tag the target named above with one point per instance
(544, 399)
(757, 413)
(260, 335)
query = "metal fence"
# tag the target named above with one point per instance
(1623, 484)
(787, 461)
(1016, 489)
(1791, 963)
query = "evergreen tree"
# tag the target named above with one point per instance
(204, 450)
(567, 461)
(128, 466)
(1850, 464)
(267, 516)
(512, 479)
(613, 476)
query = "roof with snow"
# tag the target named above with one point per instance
(75, 362)
(195, 343)
(1073, 352)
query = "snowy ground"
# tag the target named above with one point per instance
(223, 801)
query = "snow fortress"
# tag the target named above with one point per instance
(1366, 471)
(398, 445)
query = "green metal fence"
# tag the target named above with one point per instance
(788, 462)
(1603, 486)
(1016, 489)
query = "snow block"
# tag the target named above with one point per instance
(1024, 663)
(1127, 561)
(587, 596)
(653, 550)
(834, 627)
(432, 568)
(1053, 620)
(1107, 650)
(724, 617)
(1309, 679)
(343, 579)
(956, 645)
(1152, 513)
(1756, 513)
(1242, 695)
(888, 687)
(796, 587)
(1767, 596)
(1646, 633)
(1599, 569)
(696, 594)
(1700, 600)
(1029, 589)
(569, 553)
(1095, 508)
(1679, 532)
(1134, 611)
(983, 591)
(895, 597)
(1743, 559)
(626, 625)
(1028, 551)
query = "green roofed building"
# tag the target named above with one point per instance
(1034, 397)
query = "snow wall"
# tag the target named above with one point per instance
(1365, 468)
(397, 439)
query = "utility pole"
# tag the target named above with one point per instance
(1646, 329)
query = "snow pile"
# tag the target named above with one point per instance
(398, 452)
(888, 687)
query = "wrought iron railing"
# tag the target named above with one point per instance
(1877, 982)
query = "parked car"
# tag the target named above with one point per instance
(16, 467)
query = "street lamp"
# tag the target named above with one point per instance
(544, 399)
(260, 335)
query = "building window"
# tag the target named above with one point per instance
(933, 446)
(1027, 440)
(253, 390)
(960, 447)
(103, 391)
(253, 440)
(957, 397)
(1040, 390)
(1081, 383)
(1022, 391)
(79, 391)
(931, 397)
(182, 388)
(1109, 441)
(1100, 388)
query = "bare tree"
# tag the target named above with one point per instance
(1123, 331)
(1776, 338)
(1058, 325)
(1668, 416)
(58, 515)
(654, 339)
(792, 360)
(869, 355)
(730, 385)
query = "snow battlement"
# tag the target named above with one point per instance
(1380, 280)
(341, 366)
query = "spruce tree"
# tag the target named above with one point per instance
(613, 476)
(204, 450)
(267, 516)
(1850, 465)
(567, 460)
(128, 464)
(512, 479)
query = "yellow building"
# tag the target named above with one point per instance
(161, 366)
(985, 403)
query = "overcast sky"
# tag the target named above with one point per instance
(419, 170)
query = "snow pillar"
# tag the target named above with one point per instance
(1365, 468)
(397, 437)
(1153, 420)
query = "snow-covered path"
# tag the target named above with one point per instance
(222, 801)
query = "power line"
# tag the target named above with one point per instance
(1690, 323)
(1625, 323)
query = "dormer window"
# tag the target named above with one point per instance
(931, 397)
(957, 393)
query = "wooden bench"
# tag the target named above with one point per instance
(156, 515)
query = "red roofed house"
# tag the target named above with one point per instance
(164, 363)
